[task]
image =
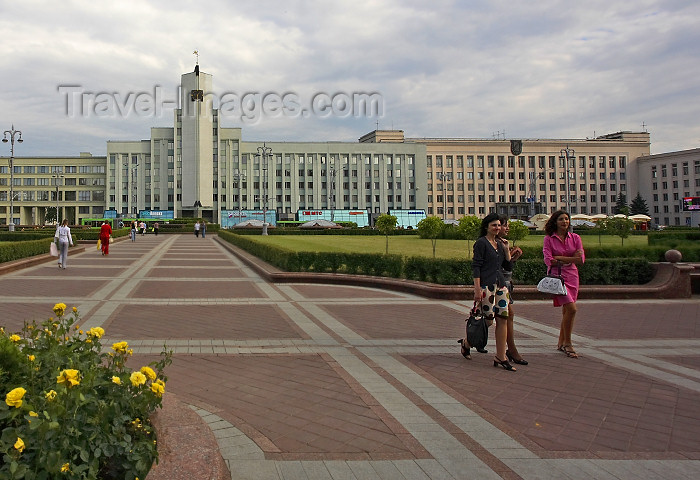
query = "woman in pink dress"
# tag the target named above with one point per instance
(564, 250)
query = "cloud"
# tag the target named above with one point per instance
(550, 69)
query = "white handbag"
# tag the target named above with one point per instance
(53, 249)
(552, 284)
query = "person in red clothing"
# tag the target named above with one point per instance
(105, 234)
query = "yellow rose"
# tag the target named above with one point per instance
(148, 371)
(96, 332)
(14, 398)
(120, 347)
(158, 389)
(65, 467)
(117, 380)
(15, 338)
(31, 358)
(70, 377)
(19, 445)
(59, 309)
(50, 395)
(75, 309)
(137, 378)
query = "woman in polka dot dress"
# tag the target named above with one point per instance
(491, 255)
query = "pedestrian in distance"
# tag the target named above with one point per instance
(155, 228)
(490, 293)
(142, 226)
(105, 235)
(133, 231)
(563, 250)
(196, 229)
(203, 228)
(63, 238)
(515, 253)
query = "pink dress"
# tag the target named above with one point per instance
(553, 246)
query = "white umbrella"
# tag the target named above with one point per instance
(640, 217)
(580, 216)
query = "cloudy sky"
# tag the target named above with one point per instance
(476, 69)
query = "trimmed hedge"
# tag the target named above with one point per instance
(596, 271)
(10, 251)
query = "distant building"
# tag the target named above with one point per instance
(197, 168)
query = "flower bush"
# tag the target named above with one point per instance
(72, 411)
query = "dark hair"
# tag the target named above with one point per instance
(503, 218)
(551, 226)
(485, 223)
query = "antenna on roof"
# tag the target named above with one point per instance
(644, 127)
(196, 53)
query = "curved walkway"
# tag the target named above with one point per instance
(308, 381)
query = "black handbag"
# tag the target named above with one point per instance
(477, 329)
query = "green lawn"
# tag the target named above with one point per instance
(409, 245)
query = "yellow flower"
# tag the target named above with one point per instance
(33, 414)
(117, 380)
(130, 352)
(19, 445)
(137, 378)
(96, 332)
(65, 467)
(158, 389)
(59, 309)
(31, 358)
(148, 371)
(50, 395)
(70, 377)
(15, 338)
(14, 398)
(120, 347)
(75, 309)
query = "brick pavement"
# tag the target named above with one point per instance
(331, 381)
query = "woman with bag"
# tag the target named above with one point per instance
(515, 253)
(63, 238)
(564, 250)
(105, 234)
(491, 255)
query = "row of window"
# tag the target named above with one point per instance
(445, 177)
(50, 195)
(46, 169)
(44, 181)
(542, 161)
(675, 184)
(521, 187)
(674, 169)
(482, 210)
(522, 198)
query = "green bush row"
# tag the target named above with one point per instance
(10, 251)
(596, 271)
(690, 252)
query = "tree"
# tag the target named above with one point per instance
(517, 231)
(618, 226)
(639, 205)
(470, 227)
(621, 205)
(430, 227)
(386, 224)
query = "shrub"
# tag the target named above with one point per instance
(71, 411)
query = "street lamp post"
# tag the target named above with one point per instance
(444, 178)
(331, 197)
(567, 154)
(264, 152)
(12, 132)
(57, 177)
(133, 191)
(239, 176)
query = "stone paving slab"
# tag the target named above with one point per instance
(335, 381)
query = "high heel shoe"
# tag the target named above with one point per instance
(464, 350)
(515, 360)
(504, 364)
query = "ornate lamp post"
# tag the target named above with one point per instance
(567, 154)
(239, 176)
(12, 132)
(444, 178)
(57, 177)
(264, 153)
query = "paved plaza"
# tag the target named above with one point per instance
(302, 381)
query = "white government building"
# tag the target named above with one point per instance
(197, 168)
